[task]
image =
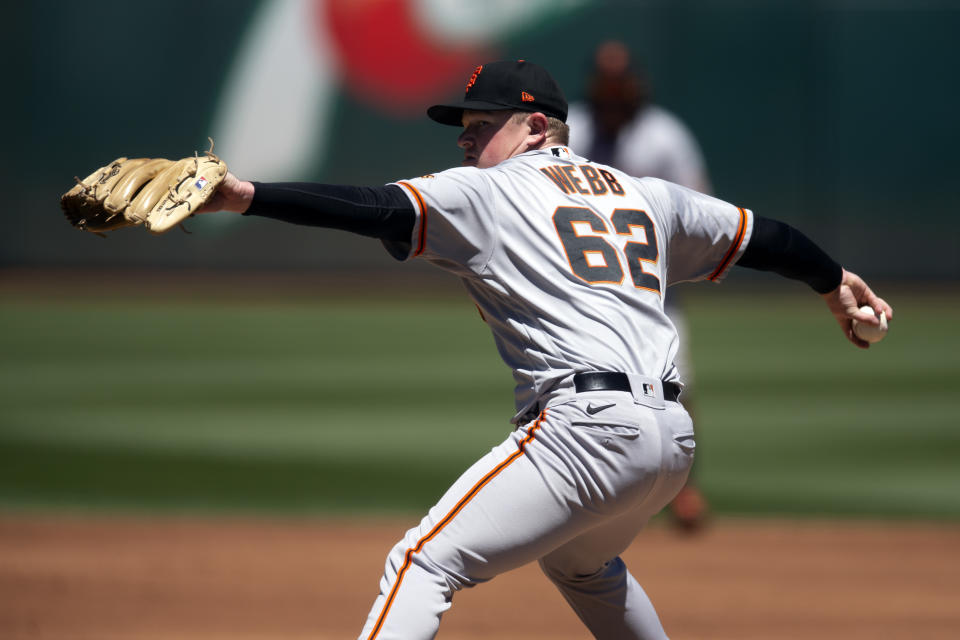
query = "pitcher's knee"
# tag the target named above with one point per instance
(613, 570)
(439, 564)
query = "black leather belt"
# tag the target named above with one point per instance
(616, 381)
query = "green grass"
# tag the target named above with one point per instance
(349, 404)
(793, 419)
(341, 405)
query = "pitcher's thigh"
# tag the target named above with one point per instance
(671, 459)
(508, 509)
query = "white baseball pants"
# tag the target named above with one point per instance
(570, 490)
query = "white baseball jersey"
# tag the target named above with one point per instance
(569, 261)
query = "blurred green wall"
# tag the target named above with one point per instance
(839, 117)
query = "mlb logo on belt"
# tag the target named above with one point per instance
(649, 390)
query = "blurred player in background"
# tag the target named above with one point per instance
(619, 125)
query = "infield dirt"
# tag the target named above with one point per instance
(86, 577)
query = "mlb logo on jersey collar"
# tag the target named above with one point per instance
(561, 152)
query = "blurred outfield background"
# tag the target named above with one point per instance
(257, 366)
(350, 404)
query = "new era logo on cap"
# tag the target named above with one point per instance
(507, 84)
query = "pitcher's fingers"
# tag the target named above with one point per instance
(885, 307)
(852, 337)
(866, 317)
(878, 304)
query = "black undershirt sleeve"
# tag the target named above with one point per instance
(378, 212)
(386, 213)
(778, 247)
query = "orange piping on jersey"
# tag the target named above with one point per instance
(422, 239)
(447, 518)
(734, 246)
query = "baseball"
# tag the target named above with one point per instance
(869, 332)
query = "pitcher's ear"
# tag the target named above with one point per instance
(538, 124)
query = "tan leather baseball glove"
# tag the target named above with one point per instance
(155, 192)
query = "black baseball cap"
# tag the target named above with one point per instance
(507, 84)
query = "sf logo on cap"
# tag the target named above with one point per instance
(473, 78)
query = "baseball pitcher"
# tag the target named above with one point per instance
(569, 262)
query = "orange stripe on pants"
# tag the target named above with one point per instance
(408, 556)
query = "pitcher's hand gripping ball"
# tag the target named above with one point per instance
(869, 332)
(155, 192)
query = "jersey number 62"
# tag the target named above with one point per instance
(597, 261)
